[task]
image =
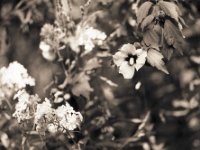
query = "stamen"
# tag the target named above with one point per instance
(131, 61)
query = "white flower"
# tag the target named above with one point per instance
(15, 76)
(47, 52)
(68, 118)
(44, 115)
(25, 107)
(87, 37)
(43, 109)
(129, 59)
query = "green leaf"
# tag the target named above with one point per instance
(154, 58)
(143, 11)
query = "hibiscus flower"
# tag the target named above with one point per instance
(129, 59)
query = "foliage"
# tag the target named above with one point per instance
(90, 81)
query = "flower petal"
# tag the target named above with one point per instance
(128, 49)
(119, 58)
(141, 60)
(126, 70)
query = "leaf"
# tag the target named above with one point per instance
(147, 21)
(154, 57)
(81, 85)
(195, 59)
(173, 36)
(143, 11)
(92, 64)
(170, 9)
(151, 39)
(111, 83)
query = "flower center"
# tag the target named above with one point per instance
(131, 59)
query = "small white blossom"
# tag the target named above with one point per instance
(129, 59)
(15, 76)
(68, 118)
(88, 36)
(47, 52)
(25, 107)
(44, 115)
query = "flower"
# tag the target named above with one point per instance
(129, 59)
(26, 105)
(44, 115)
(47, 52)
(68, 118)
(87, 37)
(15, 77)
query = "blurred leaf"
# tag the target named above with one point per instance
(143, 11)
(81, 85)
(154, 57)
(92, 64)
(195, 59)
(111, 83)
(5, 140)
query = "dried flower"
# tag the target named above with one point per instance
(129, 59)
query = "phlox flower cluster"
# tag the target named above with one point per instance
(44, 117)
(52, 37)
(25, 107)
(88, 37)
(13, 78)
(56, 120)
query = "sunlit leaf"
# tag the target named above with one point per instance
(143, 11)
(154, 58)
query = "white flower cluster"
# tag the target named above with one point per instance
(44, 116)
(88, 37)
(61, 119)
(13, 78)
(52, 37)
(25, 108)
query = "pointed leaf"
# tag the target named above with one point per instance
(173, 36)
(154, 58)
(143, 11)
(147, 21)
(170, 9)
(151, 39)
